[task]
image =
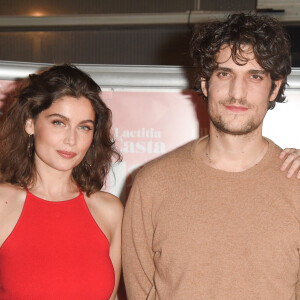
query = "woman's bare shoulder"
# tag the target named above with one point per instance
(9, 191)
(106, 205)
(11, 198)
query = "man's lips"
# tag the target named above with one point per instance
(66, 154)
(236, 108)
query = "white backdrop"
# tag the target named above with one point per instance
(282, 124)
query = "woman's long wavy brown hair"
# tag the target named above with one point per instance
(38, 93)
(270, 44)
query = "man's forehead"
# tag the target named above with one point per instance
(244, 55)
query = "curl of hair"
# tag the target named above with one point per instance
(37, 93)
(270, 43)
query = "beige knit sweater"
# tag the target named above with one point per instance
(195, 232)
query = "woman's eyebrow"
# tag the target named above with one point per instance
(67, 119)
(59, 116)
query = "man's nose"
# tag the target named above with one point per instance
(238, 88)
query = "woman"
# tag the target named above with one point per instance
(60, 237)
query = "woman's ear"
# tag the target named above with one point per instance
(29, 126)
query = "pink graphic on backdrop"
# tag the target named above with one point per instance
(147, 125)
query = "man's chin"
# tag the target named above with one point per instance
(235, 130)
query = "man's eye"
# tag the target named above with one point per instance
(223, 74)
(256, 77)
(57, 123)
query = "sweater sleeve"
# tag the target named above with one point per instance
(137, 254)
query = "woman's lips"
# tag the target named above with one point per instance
(66, 154)
(236, 108)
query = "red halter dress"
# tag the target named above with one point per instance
(56, 251)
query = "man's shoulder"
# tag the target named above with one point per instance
(273, 169)
(273, 152)
(274, 147)
(273, 157)
(173, 161)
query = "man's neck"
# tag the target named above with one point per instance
(234, 153)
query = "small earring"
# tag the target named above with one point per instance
(30, 146)
(87, 159)
(87, 163)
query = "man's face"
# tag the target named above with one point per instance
(238, 95)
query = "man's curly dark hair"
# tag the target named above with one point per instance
(271, 47)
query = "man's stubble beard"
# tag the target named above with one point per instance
(223, 127)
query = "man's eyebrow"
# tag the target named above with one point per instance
(223, 69)
(252, 71)
(259, 72)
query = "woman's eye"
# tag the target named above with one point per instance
(86, 128)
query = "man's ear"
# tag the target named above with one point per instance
(29, 126)
(274, 94)
(204, 86)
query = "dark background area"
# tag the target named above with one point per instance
(133, 45)
(74, 7)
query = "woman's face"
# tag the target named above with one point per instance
(62, 133)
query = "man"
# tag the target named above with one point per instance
(216, 218)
